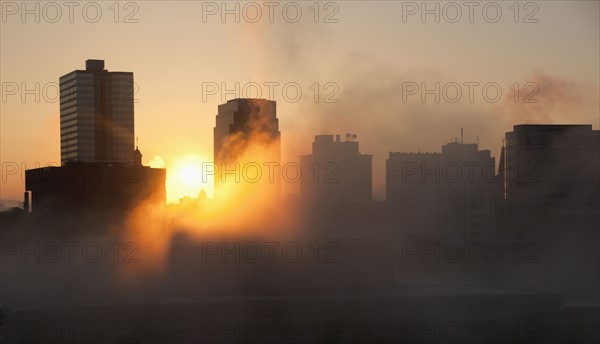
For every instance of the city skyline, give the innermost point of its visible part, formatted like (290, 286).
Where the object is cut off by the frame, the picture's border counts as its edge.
(311, 171)
(195, 167)
(170, 86)
(97, 115)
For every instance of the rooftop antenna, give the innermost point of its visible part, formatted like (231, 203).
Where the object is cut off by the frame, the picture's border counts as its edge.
(137, 141)
(461, 136)
(477, 140)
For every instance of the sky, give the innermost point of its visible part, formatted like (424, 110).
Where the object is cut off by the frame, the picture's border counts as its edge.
(356, 63)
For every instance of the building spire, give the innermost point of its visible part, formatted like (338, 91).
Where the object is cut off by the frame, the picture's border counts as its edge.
(137, 155)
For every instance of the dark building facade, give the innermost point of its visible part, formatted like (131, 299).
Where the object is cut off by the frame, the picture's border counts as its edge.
(247, 133)
(96, 115)
(336, 171)
(79, 187)
(551, 176)
(448, 194)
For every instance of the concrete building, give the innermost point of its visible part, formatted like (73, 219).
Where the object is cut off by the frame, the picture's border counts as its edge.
(447, 194)
(336, 171)
(96, 115)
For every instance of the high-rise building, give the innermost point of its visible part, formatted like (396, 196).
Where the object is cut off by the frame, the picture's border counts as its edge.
(336, 171)
(448, 194)
(96, 115)
(247, 134)
(552, 166)
(551, 178)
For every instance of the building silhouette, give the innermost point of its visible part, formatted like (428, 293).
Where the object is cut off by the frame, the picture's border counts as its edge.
(550, 177)
(96, 114)
(78, 187)
(447, 194)
(336, 171)
(100, 170)
(247, 133)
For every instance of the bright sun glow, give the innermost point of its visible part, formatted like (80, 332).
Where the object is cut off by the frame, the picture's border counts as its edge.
(184, 178)
(191, 176)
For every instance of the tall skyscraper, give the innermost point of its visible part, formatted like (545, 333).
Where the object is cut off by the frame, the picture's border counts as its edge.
(247, 133)
(96, 115)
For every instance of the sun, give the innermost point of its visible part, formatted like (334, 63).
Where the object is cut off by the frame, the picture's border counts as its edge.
(185, 178)
(191, 175)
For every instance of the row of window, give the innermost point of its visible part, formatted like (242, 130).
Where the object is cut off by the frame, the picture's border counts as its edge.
(68, 156)
(69, 143)
(81, 102)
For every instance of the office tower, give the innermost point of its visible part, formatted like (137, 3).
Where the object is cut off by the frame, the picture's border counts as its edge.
(551, 177)
(96, 115)
(247, 134)
(336, 171)
(448, 194)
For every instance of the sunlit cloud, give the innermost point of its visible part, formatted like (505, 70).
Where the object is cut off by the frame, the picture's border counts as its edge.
(156, 162)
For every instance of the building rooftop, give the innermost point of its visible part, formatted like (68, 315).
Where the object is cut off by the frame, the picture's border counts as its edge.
(552, 127)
